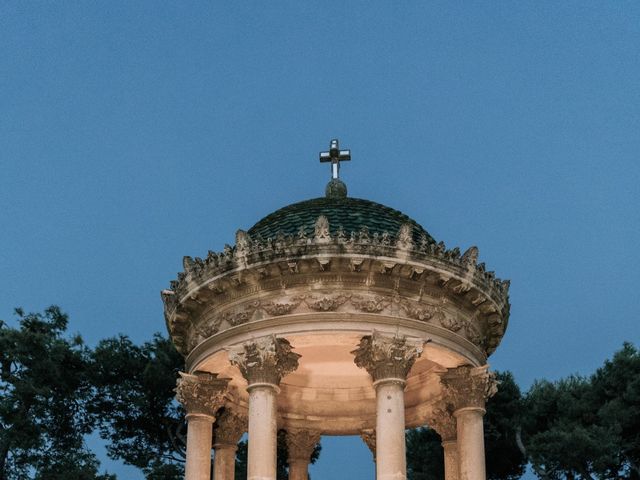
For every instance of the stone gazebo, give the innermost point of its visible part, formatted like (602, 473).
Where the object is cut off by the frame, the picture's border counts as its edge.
(335, 316)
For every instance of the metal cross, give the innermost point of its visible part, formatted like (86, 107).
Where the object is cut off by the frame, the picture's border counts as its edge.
(335, 156)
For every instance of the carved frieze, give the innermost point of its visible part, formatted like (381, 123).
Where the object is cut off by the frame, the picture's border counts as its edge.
(326, 303)
(468, 386)
(301, 443)
(201, 393)
(264, 360)
(375, 304)
(387, 357)
(229, 428)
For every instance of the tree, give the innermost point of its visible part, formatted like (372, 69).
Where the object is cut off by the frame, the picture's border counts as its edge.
(44, 394)
(140, 418)
(504, 459)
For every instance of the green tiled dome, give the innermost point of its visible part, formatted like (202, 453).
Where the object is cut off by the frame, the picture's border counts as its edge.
(352, 214)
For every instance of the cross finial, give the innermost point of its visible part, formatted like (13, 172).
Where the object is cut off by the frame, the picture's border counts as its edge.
(335, 156)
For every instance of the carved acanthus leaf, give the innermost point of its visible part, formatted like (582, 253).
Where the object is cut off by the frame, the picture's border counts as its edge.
(301, 443)
(327, 303)
(443, 422)
(370, 304)
(202, 393)
(387, 357)
(229, 428)
(276, 309)
(369, 438)
(322, 234)
(468, 386)
(264, 360)
(405, 237)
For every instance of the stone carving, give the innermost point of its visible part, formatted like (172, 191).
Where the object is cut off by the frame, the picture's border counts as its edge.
(451, 322)
(202, 393)
(443, 422)
(417, 311)
(277, 309)
(369, 438)
(387, 357)
(229, 428)
(300, 443)
(468, 386)
(264, 360)
(322, 230)
(370, 304)
(325, 303)
(405, 237)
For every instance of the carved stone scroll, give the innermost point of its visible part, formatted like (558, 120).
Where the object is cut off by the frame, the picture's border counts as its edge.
(264, 360)
(201, 393)
(468, 387)
(387, 357)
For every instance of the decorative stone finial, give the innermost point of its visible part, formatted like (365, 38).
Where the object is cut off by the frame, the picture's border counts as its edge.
(202, 393)
(387, 357)
(336, 188)
(300, 443)
(264, 360)
(468, 387)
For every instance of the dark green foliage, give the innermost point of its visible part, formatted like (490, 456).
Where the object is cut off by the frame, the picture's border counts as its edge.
(142, 422)
(44, 393)
(425, 459)
(505, 461)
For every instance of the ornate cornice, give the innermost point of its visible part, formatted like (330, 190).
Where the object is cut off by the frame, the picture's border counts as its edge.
(255, 263)
(386, 357)
(229, 428)
(264, 360)
(300, 443)
(202, 393)
(468, 387)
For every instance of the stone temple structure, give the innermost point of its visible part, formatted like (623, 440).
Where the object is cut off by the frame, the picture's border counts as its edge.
(334, 316)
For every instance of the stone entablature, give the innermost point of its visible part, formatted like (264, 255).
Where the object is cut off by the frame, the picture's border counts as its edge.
(337, 273)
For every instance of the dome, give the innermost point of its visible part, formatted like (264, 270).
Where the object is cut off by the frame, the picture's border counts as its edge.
(350, 214)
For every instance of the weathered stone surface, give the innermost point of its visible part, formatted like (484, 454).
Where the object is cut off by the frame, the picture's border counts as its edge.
(301, 442)
(264, 360)
(202, 393)
(468, 387)
(387, 357)
(229, 428)
(369, 438)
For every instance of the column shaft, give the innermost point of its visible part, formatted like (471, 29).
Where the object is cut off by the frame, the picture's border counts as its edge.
(263, 432)
(470, 443)
(451, 460)
(224, 462)
(199, 432)
(298, 469)
(391, 463)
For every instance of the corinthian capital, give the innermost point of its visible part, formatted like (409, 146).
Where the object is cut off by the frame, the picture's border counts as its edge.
(387, 357)
(443, 422)
(300, 443)
(229, 428)
(368, 436)
(468, 387)
(265, 360)
(201, 393)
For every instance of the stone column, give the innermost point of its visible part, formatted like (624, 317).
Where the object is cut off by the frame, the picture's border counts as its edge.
(263, 362)
(467, 389)
(388, 361)
(228, 430)
(369, 438)
(201, 394)
(300, 445)
(443, 422)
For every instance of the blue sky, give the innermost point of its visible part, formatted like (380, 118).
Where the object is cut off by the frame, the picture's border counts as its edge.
(133, 133)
